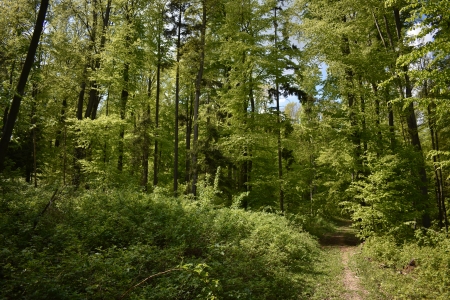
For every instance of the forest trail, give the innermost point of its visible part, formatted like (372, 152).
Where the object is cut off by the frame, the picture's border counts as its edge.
(344, 240)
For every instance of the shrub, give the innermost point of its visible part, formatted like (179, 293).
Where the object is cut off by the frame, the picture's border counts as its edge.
(413, 270)
(97, 244)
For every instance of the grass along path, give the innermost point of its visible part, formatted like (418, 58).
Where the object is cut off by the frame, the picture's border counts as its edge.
(342, 282)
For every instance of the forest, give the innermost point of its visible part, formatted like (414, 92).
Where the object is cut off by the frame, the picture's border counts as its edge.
(224, 149)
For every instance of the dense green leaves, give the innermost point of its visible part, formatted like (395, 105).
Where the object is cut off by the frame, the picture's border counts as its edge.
(99, 244)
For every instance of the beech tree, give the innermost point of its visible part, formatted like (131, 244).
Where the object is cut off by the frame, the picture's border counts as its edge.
(189, 89)
(20, 90)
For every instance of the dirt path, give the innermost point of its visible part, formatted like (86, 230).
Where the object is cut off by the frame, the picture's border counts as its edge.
(345, 240)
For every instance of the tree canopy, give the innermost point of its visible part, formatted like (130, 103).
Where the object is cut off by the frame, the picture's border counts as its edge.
(306, 109)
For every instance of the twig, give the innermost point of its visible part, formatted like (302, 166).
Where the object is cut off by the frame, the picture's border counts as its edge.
(149, 277)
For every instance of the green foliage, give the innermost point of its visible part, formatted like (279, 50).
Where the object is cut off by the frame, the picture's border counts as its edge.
(98, 244)
(387, 201)
(418, 270)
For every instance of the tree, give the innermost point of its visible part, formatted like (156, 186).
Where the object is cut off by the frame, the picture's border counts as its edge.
(198, 85)
(20, 90)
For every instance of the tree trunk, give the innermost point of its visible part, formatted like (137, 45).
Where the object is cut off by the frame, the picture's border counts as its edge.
(377, 119)
(61, 123)
(146, 139)
(177, 102)
(5, 112)
(124, 94)
(277, 98)
(189, 116)
(78, 150)
(439, 180)
(158, 85)
(198, 85)
(123, 104)
(15, 105)
(438, 184)
(94, 93)
(413, 129)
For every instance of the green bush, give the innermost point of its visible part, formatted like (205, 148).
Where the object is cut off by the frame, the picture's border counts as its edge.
(419, 270)
(97, 244)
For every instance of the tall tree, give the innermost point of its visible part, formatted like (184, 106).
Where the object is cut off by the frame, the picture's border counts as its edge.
(198, 86)
(178, 7)
(20, 90)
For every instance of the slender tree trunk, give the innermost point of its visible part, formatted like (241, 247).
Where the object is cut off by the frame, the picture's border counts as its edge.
(93, 62)
(146, 142)
(15, 105)
(379, 30)
(439, 180)
(250, 160)
(34, 157)
(363, 132)
(62, 119)
(78, 150)
(124, 94)
(438, 184)
(105, 144)
(61, 134)
(413, 129)
(123, 104)
(5, 117)
(177, 103)
(388, 31)
(189, 116)
(277, 98)
(158, 85)
(5, 112)
(389, 104)
(94, 93)
(280, 163)
(65, 155)
(351, 99)
(31, 165)
(377, 118)
(390, 122)
(198, 85)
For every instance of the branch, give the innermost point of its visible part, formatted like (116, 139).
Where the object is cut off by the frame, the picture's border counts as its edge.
(45, 208)
(379, 30)
(149, 277)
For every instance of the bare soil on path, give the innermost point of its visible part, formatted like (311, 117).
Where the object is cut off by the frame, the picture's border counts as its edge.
(345, 240)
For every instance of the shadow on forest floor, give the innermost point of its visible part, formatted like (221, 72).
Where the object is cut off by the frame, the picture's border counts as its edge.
(343, 236)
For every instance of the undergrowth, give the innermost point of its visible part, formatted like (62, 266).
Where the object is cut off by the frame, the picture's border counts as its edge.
(116, 244)
(412, 270)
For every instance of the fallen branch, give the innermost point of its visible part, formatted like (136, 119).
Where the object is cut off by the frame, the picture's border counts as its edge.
(45, 209)
(149, 277)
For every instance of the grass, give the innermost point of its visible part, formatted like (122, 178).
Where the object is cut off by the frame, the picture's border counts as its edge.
(328, 282)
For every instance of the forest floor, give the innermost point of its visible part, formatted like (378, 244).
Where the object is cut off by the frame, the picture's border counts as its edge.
(343, 282)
